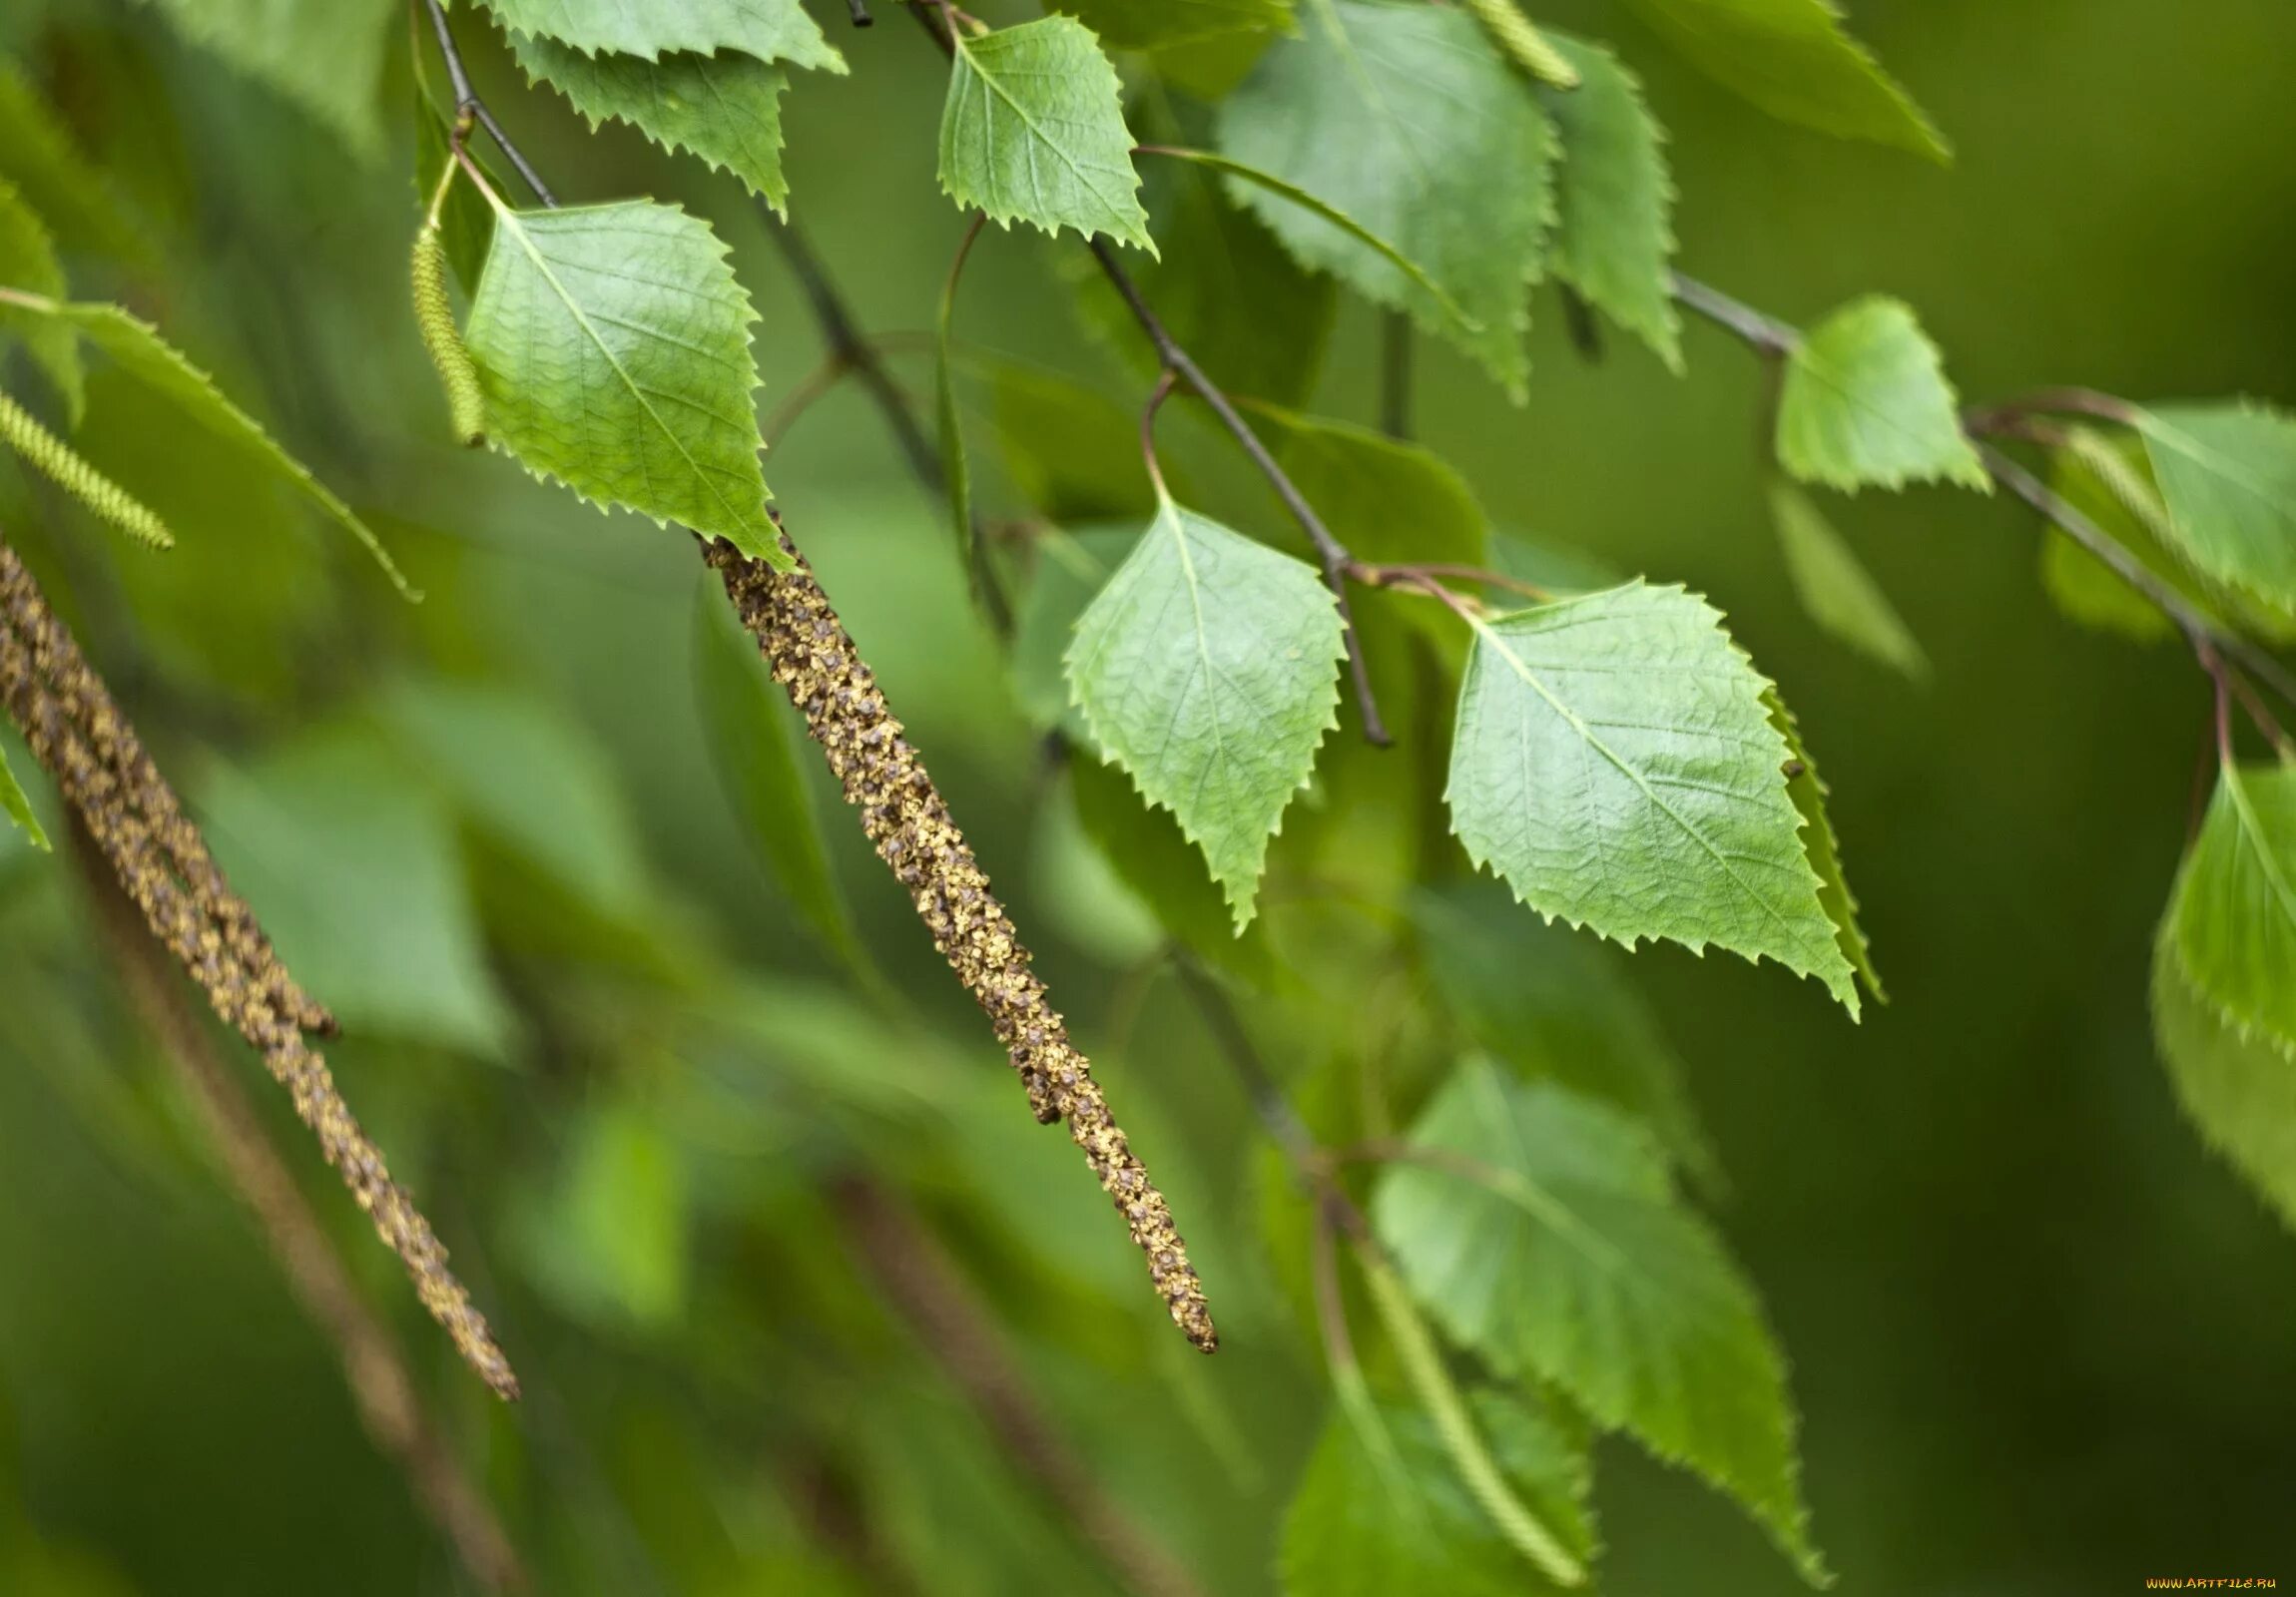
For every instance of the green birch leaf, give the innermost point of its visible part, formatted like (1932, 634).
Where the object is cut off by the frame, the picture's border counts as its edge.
(1034, 130)
(1234, 297)
(38, 154)
(770, 30)
(138, 350)
(324, 56)
(1130, 25)
(1837, 592)
(1575, 1264)
(2239, 1092)
(1809, 792)
(2086, 589)
(28, 261)
(1386, 499)
(1614, 199)
(2229, 474)
(1866, 402)
(1359, 1526)
(1071, 451)
(1615, 763)
(753, 746)
(1792, 58)
(19, 808)
(726, 109)
(1407, 120)
(1554, 1006)
(1208, 669)
(2233, 916)
(613, 344)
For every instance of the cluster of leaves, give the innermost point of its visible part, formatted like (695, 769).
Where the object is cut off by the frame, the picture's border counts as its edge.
(1609, 752)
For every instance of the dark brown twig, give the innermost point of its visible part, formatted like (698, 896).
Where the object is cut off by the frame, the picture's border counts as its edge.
(381, 1387)
(467, 104)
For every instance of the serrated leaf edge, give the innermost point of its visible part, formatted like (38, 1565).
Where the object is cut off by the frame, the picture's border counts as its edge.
(1967, 472)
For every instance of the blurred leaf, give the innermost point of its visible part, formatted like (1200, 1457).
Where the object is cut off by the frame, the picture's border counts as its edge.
(1073, 453)
(1809, 792)
(466, 222)
(28, 261)
(529, 778)
(771, 30)
(1613, 760)
(1354, 1530)
(324, 56)
(2088, 590)
(1552, 1004)
(1034, 130)
(1206, 667)
(2229, 474)
(1866, 402)
(1223, 287)
(1558, 568)
(1070, 569)
(2239, 1090)
(1792, 58)
(40, 155)
(948, 424)
(1386, 499)
(1837, 591)
(1128, 24)
(19, 808)
(752, 733)
(1571, 1261)
(1149, 852)
(353, 865)
(2233, 916)
(611, 1244)
(1406, 119)
(655, 416)
(726, 109)
(1614, 199)
(1081, 895)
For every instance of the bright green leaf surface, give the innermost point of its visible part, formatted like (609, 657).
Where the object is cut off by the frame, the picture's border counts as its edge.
(1836, 588)
(1131, 25)
(1207, 669)
(1407, 118)
(2234, 913)
(1614, 199)
(770, 30)
(726, 109)
(1554, 1006)
(327, 58)
(1809, 792)
(2241, 1092)
(28, 261)
(614, 344)
(752, 744)
(142, 353)
(1582, 1269)
(1866, 402)
(1793, 59)
(1034, 130)
(1354, 1530)
(1613, 762)
(19, 808)
(2229, 474)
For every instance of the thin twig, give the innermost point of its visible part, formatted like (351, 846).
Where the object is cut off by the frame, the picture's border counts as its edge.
(381, 1387)
(1164, 381)
(1766, 333)
(1330, 550)
(912, 1269)
(1413, 574)
(468, 104)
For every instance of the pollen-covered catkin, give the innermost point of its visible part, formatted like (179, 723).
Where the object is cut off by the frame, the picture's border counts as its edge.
(63, 465)
(136, 823)
(817, 664)
(1521, 39)
(434, 314)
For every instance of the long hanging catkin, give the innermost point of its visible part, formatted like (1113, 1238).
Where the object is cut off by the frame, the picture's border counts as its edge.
(79, 735)
(65, 466)
(817, 664)
(449, 355)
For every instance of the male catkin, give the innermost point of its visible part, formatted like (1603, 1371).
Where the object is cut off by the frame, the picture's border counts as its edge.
(137, 823)
(434, 314)
(63, 465)
(1521, 39)
(817, 664)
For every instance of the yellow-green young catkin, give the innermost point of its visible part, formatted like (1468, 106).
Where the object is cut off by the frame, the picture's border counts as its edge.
(457, 373)
(57, 460)
(1521, 39)
(901, 812)
(75, 730)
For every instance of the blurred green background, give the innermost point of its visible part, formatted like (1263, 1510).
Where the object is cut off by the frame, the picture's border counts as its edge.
(2040, 1340)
